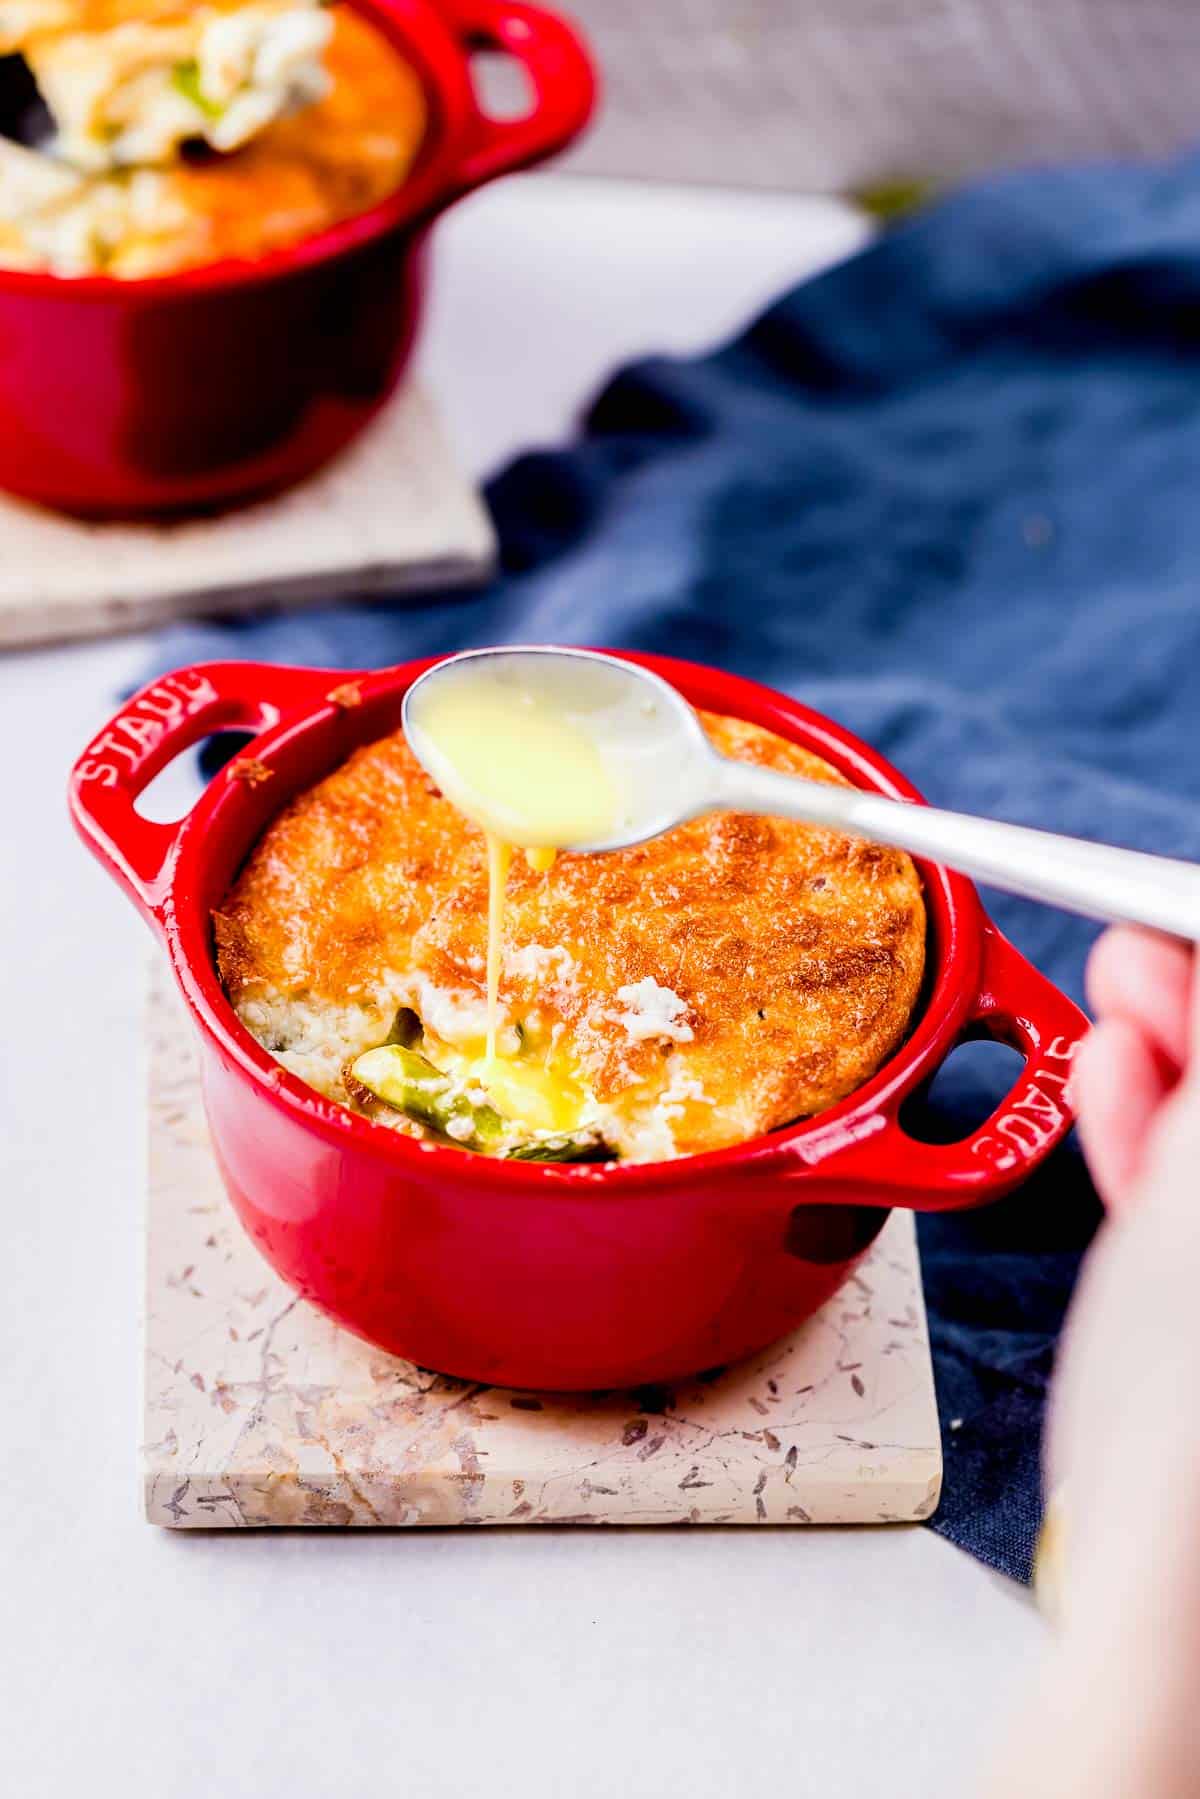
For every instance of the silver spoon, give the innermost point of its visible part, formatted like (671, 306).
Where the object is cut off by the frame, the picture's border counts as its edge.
(668, 771)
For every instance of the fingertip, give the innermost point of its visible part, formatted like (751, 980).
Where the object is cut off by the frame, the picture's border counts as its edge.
(1117, 1083)
(1115, 966)
(1145, 979)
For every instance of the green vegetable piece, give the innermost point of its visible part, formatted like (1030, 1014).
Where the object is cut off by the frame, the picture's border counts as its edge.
(407, 1080)
(185, 79)
(890, 201)
(578, 1146)
(406, 1028)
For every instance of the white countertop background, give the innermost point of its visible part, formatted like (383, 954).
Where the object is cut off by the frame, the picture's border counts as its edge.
(452, 1665)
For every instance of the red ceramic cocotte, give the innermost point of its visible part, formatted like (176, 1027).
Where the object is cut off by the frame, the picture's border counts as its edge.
(549, 1276)
(217, 383)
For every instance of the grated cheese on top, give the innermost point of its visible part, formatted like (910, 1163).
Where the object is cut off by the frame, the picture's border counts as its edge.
(651, 1011)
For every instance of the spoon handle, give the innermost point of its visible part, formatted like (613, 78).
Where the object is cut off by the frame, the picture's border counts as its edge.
(1095, 879)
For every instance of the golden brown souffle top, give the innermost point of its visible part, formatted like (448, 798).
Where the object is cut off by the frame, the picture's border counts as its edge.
(797, 952)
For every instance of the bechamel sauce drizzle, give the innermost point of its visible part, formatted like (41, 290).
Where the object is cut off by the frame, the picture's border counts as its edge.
(526, 769)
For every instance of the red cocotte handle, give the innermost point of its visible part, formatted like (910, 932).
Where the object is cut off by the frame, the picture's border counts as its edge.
(1017, 1005)
(165, 718)
(561, 74)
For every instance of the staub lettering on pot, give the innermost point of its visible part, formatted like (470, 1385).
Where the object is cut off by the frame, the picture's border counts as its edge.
(135, 732)
(1035, 1118)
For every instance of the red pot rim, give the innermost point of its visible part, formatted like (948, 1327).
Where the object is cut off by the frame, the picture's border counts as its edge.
(462, 147)
(958, 930)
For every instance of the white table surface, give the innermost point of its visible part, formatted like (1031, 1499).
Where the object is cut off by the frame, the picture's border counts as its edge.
(532, 1663)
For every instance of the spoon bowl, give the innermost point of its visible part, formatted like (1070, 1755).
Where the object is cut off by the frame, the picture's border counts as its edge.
(650, 742)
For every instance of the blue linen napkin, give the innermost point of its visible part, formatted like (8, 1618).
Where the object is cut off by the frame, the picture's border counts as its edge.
(948, 493)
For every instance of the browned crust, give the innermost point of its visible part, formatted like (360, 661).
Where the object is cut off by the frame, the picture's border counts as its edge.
(360, 1095)
(798, 952)
(250, 770)
(346, 696)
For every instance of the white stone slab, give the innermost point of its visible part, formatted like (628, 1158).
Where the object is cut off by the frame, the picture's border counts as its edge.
(260, 1411)
(393, 511)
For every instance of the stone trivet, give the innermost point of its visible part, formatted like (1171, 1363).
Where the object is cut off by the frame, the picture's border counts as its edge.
(393, 511)
(261, 1411)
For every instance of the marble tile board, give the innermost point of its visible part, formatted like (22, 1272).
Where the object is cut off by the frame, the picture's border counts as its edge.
(260, 1411)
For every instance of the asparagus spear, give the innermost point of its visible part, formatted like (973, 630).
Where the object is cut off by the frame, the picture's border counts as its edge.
(574, 1146)
(409, 1081)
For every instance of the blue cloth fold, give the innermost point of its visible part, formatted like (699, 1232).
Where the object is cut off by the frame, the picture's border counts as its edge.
(949, 493)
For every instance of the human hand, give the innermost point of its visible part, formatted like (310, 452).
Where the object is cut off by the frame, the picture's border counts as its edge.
(1116, 1715)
